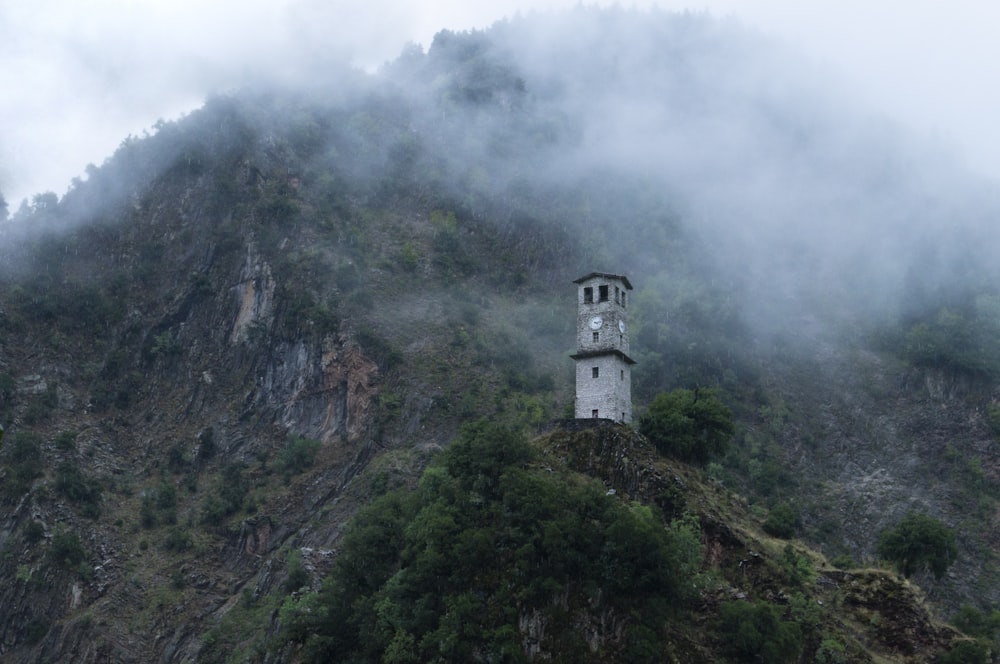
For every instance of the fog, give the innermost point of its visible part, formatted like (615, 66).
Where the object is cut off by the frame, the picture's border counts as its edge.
(801, 189)
(806, 200)
(80, 77)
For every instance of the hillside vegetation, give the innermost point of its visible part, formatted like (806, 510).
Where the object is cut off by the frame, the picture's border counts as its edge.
(278, 312)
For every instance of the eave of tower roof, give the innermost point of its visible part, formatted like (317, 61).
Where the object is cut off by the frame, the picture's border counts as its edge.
(596, 353)
(607, 275)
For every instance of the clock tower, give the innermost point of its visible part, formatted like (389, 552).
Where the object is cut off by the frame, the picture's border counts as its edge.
(603, 365)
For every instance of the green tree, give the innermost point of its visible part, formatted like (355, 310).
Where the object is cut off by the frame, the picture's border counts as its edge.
(962, 340)
(974, 622)
(966, 652)
(689, 425)
(918, 542)
(45, 202)
(432, 575)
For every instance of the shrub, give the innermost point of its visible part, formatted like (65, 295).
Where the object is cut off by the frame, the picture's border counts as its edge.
(33, 531)
(206, 444)
(147, 511)
(165, 344)
(25, 454)
(298, 576)
(843, 561)
(24, 462)
(178, 539)
(66, 550)
(298, 455)
(756, 632)
(213, 511)
(993, 418)
(41, 406)
(227, 497)
(166, 502)
(387, 355)
(798, 567)
(166, 496)
(66, 441)
(409, 257)
(831, 651)
(8, 386)
(159, 505)
(176, 461)
(77, 488)
(782, 521)
(35, 630)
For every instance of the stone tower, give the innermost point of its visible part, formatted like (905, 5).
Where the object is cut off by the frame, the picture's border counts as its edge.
(603, 365)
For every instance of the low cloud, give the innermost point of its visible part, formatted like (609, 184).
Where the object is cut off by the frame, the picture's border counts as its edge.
(80, 77)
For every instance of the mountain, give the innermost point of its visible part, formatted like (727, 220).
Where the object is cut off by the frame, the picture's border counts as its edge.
(245, 327)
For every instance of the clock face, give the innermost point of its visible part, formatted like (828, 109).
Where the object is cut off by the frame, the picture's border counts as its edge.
(596, 322)
(621, 326)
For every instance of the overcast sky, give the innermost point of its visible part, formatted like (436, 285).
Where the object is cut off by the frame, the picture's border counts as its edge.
(79, 77)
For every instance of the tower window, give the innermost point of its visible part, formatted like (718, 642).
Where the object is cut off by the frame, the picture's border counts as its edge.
(623, 374)
(603, 290)
(595, 372)
(623, 299)
(597, 337)
(616, 294)
(588, 295)
(593, 413)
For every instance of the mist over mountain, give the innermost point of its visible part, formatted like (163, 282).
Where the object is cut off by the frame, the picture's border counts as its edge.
(246, 325)
(759, 153)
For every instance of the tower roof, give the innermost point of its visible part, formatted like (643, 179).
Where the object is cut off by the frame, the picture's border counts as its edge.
(607, 275)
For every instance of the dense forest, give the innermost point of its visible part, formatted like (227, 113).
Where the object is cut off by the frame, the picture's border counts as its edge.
(281, 379)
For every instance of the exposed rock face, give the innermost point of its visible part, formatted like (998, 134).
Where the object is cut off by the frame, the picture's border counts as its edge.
(323, 391)
(254, 294)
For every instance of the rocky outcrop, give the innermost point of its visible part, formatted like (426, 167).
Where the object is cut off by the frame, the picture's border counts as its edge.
(254, 295)
(323, 391)
(900, 623)
(620, 457)
(881, 616)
